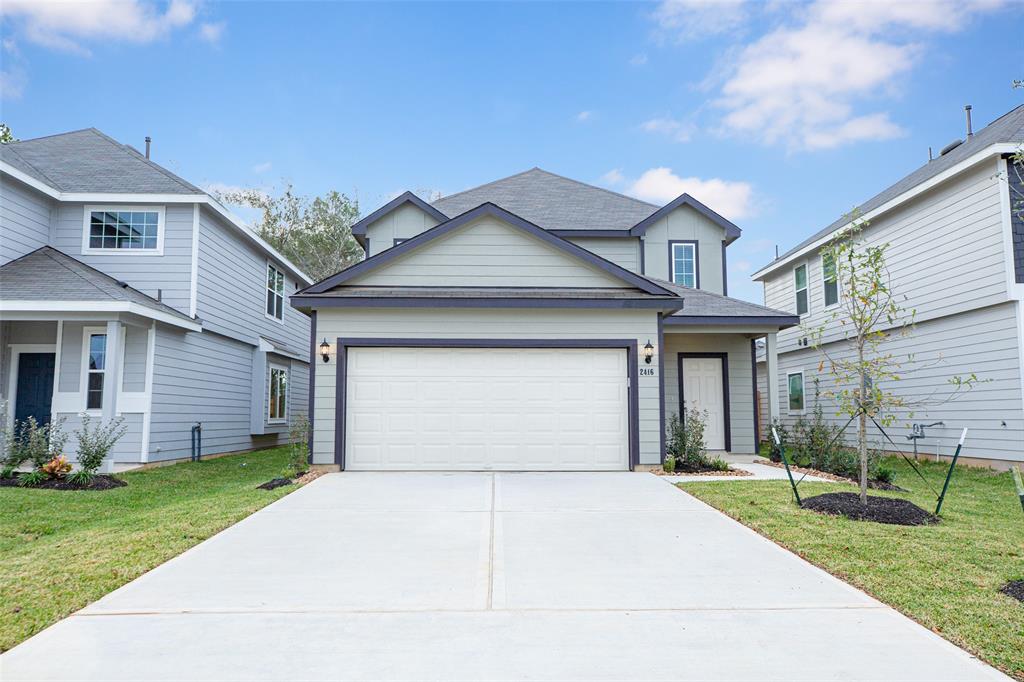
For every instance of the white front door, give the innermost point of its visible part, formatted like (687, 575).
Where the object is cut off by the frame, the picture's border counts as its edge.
(703, 390)
(518, 409)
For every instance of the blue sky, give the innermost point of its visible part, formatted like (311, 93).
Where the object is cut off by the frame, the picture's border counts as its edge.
(781, 116)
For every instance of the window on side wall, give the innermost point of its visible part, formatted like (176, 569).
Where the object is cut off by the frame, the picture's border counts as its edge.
(123, 230)
(277, 400)
(800, 284)
(684, 264)
(275, 293)
(795, 391)
(830, 280)
(95, 370)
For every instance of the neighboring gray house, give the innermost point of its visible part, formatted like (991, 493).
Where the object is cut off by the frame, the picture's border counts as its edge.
(127, 291)
(533, 323)
(956, 256)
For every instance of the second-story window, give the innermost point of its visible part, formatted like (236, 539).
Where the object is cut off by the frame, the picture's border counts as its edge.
(123, 230)
(684, 264)
(275, 292)
(830, 280)
(800, 284)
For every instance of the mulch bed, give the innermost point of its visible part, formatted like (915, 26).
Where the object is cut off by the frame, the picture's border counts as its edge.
(875, 485)
(1015, 589)
(879, 509)
(701, 472)
(100, 482)
(301, 479)
(274, 483)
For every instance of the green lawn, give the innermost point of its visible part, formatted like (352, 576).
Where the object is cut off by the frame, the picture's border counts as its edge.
(62, 550)
(945, 577)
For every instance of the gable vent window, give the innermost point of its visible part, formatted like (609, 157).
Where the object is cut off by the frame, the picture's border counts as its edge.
(123, 230)
(800, 282)
(684, 264)
(275, 293)
(830, 280)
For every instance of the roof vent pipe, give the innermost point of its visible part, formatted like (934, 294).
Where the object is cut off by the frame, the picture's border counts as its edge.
(970, 130)
(149, 141)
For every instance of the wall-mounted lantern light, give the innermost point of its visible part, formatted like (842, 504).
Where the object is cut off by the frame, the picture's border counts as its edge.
(325, 350)
(648, 352)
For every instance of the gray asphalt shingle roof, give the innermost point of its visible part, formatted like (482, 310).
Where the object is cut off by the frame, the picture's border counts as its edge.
(700, 303)
(552, 202)
(1008, 128)
(89, 161)
(47, 274)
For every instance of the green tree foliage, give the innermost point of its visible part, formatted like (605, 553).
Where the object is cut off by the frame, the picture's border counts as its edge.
(6, 135)
(313, 233)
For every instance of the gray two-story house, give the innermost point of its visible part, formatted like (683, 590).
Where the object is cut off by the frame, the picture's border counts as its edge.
(532, 323)
(126, 291)
(955, 257)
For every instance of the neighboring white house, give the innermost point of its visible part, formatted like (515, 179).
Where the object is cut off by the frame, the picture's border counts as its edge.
(956, 257)
(532, 323)
(127, 291)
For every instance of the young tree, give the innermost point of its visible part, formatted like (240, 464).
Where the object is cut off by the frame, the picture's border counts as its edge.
(6, 135)
(315, 234)
(868, 315)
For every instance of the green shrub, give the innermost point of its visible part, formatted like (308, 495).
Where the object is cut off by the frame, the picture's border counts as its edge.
(685, 444)
(298, 453)
(28, 441)
(884, 474)
(32, 478)
(81, 478)
(669, 465)
(718, 464)
(94, 444)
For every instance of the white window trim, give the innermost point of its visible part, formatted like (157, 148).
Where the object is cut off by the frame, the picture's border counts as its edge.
(284, 292)
(807, 288)
(161, 225)
(803, 392)
(287, 383)
(83, 388)
(823, 284)
(696, 265)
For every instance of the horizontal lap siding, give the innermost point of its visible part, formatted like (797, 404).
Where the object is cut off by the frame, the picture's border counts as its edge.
(488, 252)
(983, 342)
(24, 220)
(483, 324)
(741, 399)
(128, 447)
(232, 290)
(624, 252)
(169, 273)
(945, 256)
(206, 377)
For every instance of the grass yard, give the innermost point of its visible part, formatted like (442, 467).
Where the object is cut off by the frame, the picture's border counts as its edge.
(62, 550)
(945, 577)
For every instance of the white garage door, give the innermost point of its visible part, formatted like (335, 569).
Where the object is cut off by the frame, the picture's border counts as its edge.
(541, 409)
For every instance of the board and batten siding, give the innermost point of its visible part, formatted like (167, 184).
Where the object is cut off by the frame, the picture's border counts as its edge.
(232, 289)
(686, 224)
(484, 324)
(741, 398)
(623, 251)
(24, 219)
(945, 256)
(169, 274)
(402, 223)
(488, 252)
(983, 342)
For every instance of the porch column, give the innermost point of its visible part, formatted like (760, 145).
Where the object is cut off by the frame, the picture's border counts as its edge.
(771, 370)
(112, 370)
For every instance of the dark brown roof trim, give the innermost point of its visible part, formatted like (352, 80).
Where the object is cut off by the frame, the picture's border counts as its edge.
(732, 232)
(359, 229)
(314, 302)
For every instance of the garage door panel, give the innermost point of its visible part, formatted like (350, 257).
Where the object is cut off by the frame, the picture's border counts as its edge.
(483, 408)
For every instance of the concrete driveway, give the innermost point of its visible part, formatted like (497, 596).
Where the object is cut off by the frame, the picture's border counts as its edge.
(488, 576)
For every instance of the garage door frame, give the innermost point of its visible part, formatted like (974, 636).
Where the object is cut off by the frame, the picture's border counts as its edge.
(344, 344)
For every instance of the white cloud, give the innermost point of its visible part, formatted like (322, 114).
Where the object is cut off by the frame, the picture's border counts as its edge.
(584, 116)
(212, 32)
(686, 20)
(680, 131)
(638, 59)
(66, 25)
(12, 76)
(803, 84)
(262, 167)
(732, 199)
(613, 177)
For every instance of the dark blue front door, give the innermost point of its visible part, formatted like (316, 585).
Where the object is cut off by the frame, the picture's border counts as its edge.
(35, 387)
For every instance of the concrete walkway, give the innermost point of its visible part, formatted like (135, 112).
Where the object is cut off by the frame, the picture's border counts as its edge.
(488, 576)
